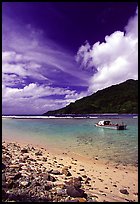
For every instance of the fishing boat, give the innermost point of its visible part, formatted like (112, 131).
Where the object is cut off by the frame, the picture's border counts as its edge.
(109, 124)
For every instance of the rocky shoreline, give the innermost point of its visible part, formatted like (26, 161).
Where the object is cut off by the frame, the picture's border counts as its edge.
(31, 174)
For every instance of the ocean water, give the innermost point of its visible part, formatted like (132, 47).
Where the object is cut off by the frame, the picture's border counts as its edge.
(79, 135)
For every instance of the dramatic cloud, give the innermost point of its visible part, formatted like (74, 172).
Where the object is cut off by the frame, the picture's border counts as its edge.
(33, 68)
(36, 98)
(114, 60)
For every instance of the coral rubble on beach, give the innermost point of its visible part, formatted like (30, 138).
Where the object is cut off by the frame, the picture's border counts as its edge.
(30, 174)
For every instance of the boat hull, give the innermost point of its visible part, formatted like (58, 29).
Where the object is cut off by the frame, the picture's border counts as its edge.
(115, 127)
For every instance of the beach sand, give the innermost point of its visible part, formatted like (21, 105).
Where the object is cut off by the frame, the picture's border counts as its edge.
(101, 181)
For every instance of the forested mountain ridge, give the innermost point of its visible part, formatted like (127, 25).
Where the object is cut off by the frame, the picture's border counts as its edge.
(120, 98)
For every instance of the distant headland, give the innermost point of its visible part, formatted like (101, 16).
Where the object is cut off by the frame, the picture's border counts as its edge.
(120, 98)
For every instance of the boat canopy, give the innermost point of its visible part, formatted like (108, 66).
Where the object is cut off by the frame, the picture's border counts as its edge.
(104, 122)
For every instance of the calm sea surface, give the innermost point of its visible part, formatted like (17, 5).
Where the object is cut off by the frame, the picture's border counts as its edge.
(80, 136)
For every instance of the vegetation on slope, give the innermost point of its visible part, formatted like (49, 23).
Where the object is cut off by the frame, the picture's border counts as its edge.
(120, 98)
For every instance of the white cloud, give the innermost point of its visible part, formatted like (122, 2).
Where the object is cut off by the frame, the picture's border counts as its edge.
(116, 59)
(32, 97)
(19, 69)
(11, 56)
(14, 63)
(14, 69)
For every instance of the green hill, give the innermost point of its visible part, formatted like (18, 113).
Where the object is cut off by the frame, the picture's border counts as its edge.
(120, 98)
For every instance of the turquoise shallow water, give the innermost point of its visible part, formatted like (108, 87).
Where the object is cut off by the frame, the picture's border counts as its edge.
(80, 136)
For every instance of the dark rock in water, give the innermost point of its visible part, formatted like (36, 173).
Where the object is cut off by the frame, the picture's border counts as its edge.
(75, 192)
(24, 150)
(81, 169)
(67, 173)
(38, 153)
(124, 191)
(84, 176)
(87, 180)
(44, 159)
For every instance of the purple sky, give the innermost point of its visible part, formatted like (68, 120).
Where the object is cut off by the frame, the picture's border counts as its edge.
(54, 53)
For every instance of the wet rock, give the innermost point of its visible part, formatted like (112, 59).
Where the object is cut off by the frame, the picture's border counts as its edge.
(50, 170)
(11, 184)
(6, 158)
(76, 182)
(24, 150)
(87, 180)
(74, 200)
(3, 180)
(62, 192)
(84, 176)
(136, 193)
(65, 169)
(124, 191)
(48, 187)
(25, 157)
(75, 192)
(67, 173)
(81, 169)
(80, 178)
(17, 176)
(3, 166)
(44, 159)
(56, 172)
(51, 178)
(48, 177)
(38, 153)
(36, 183)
